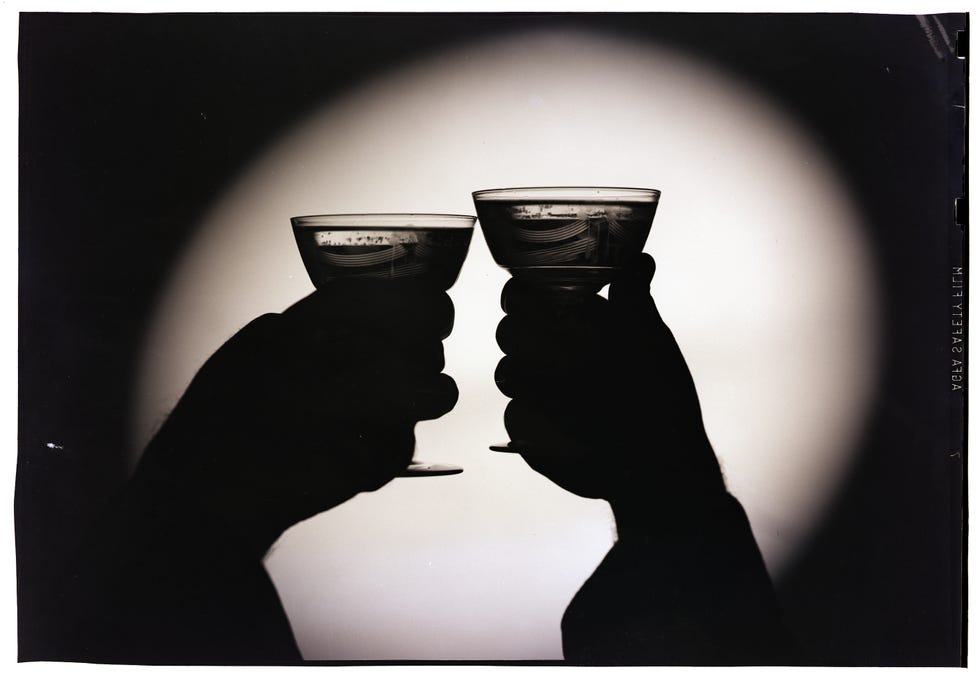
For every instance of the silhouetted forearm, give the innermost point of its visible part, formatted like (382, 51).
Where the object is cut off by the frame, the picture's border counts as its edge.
(685, 587)
(162, 581)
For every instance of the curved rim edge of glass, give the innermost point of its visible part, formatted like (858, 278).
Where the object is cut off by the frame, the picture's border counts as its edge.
(386, 220)
(599, 194)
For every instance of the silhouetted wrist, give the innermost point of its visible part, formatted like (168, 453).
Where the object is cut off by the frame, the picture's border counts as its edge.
(679, 515)
(170, 488)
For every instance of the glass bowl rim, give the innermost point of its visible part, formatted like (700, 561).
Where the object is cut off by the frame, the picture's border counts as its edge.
(589, 194)
(386, 220)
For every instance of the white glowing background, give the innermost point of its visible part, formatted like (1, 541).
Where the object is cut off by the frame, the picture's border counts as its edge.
(762, 273)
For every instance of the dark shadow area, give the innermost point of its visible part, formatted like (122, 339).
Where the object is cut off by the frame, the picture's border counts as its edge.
(131, 126)
(301, 411)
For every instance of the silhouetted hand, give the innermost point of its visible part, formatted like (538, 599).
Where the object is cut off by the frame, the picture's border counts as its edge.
(295, 414)
(300, 411)
(602, 402)
(604, 405)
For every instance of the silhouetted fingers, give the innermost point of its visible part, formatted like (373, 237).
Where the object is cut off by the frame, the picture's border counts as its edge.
(629, 293)
(576, 335)
(383, 451)
(560, 381)
(429, 399)
(352, 458)
(392, 396)
(408, 308)
(521, 297)
(552, 448)
(362, 354)
(332, 360)
(518, 296)
(548, 421)
(634, 280)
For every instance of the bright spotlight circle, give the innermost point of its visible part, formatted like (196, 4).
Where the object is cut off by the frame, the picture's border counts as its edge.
(762, 272)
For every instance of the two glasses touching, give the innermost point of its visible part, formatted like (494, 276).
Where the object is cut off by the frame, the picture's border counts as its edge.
(571, 241)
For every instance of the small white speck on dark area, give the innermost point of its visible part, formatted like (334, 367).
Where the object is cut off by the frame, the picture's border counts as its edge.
(53, 445)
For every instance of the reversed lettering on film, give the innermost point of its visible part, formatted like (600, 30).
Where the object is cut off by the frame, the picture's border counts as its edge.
(958, 331)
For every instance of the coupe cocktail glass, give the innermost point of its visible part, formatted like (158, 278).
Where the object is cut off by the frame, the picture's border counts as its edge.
(390, 246)
(573, 240)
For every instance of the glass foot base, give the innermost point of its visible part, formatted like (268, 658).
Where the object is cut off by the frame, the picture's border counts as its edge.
(425, 469)
(512, 447)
